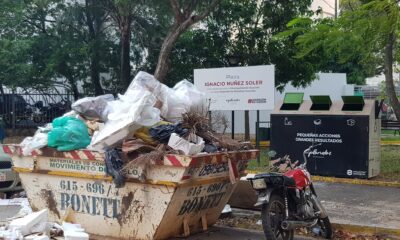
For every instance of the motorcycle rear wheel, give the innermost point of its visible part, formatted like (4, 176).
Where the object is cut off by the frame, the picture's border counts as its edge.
(273, 213)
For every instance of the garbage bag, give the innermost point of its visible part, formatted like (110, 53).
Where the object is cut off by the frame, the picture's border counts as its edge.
(114, 164)
(189, 94)
(144, 133)
(162, 133)
(93, 107)
(170, 105)
(38, 140)
(130, 112)
(68, 133)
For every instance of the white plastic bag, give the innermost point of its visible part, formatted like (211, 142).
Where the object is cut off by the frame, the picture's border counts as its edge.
(189, 94)
(93, 107)
(38, 140)
(130, 112)
(175, 102)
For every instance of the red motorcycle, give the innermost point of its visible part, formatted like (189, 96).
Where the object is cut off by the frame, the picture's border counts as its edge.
(289, 201)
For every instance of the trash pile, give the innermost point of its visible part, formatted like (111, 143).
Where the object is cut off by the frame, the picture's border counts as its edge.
(139, 126)
(35, 226)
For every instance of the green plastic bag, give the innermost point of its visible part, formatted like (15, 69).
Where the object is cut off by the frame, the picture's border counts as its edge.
(68, 133)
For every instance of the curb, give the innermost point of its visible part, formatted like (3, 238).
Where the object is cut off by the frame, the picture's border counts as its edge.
(348, 181)
(265, 144)
(356, 181)
(390, 142)
(336, 226)
(366, 229)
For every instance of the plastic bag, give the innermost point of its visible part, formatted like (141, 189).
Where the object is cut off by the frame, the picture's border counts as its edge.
(93, 107)
(68, 133)
(188, 94)
(171, 108)
(38, 140)
(130, 112)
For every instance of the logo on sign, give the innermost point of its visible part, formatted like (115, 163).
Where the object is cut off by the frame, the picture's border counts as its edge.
(287, 122)
(317, 122)
(257, 100)
(316, 153)
(351, 122)
(349, 172)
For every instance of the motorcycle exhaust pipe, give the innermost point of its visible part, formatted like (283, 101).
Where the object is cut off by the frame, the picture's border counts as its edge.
(291, 225)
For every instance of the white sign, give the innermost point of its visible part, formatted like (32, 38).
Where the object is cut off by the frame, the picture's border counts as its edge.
(238, 88)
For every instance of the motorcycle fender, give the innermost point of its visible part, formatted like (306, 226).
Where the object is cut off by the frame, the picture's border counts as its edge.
(263, 197)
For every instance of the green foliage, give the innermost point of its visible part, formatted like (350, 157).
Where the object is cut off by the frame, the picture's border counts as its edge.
(244, 30)
(335, 48)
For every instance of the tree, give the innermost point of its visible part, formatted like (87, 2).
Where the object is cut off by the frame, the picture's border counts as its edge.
(185, 17)
(243, 31)
(122, 13)
(367, 33)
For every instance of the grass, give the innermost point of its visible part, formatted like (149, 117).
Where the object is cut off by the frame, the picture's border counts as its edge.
(390, 163)
(388, 135)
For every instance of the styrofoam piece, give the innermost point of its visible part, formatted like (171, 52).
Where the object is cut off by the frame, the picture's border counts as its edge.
(178, 143)
(72, 227)
(227, 209)
(72, 235)
(23, 202)
(26, 223)
(11, 234)
(37, 237)
(248, 176)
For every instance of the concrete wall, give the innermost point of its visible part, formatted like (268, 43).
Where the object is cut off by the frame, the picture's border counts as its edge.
(332, 84)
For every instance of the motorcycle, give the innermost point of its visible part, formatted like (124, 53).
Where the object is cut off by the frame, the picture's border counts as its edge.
(289, 201)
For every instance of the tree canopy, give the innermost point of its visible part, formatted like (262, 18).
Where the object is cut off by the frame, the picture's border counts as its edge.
(363, 41)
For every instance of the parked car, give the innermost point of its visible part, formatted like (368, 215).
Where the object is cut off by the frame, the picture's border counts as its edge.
(6, 107)
(9, 180)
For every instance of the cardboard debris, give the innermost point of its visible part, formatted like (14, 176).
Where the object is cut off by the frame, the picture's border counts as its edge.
(185, 146)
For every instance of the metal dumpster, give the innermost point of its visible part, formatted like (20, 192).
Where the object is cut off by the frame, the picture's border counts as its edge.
(180, 196)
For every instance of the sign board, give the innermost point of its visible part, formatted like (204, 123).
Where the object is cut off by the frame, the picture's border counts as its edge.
(344, 142)
(238, 88)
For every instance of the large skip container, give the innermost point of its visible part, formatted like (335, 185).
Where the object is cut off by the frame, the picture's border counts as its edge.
(180, 196)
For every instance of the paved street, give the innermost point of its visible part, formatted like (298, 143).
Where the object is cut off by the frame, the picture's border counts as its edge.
(360, 204)
(218, 233)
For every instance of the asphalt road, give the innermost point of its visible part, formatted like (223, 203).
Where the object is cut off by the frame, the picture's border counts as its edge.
(218, 233)
(364, 205)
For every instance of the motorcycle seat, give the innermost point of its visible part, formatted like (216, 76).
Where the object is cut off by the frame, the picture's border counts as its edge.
(276, 179)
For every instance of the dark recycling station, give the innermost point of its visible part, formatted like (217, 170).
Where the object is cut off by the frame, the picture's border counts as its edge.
(348, 132)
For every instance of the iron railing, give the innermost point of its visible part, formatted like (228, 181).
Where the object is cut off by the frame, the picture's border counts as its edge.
(27, 108)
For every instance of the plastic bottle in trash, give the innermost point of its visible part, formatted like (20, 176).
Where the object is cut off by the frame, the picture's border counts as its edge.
(316, 230)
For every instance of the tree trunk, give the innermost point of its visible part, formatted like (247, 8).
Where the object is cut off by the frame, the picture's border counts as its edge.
(246, 126)
(390, 87)
(163, 63)
(92, 20)
(74, 88)
(95, 74)
(125, 41)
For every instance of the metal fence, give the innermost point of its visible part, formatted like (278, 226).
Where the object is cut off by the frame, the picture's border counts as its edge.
(27, 108)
